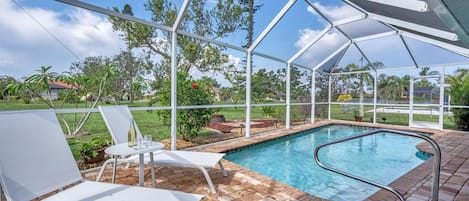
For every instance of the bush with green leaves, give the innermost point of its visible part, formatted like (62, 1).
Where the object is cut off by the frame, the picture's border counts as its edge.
(91, 148)
(460, 96)
(189, 92)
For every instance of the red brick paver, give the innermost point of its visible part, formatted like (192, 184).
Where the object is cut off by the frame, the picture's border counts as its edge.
(243, 184)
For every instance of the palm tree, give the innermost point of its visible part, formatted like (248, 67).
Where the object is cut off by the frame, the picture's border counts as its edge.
(359, 80)
(38, 83)
(425, 71)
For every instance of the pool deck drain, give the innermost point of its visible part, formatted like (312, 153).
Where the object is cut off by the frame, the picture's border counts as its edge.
(243, 184)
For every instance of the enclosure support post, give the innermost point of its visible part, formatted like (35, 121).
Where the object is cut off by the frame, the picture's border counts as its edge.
(329, 98)
(411, 98)
(174, 73)
(313, 96)
(442, 98)
(288, 99)
(247, 130)
(375, 96)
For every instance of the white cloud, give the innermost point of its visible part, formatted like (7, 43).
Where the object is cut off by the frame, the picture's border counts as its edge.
(306, 35)
(25, 46)
(335, 12)
(321, 49)
(330, 41)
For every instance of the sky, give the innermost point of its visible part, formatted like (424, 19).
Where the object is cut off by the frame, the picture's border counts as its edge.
(48, 33)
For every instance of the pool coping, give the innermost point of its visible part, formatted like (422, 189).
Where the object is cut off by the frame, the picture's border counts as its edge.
(404, 183)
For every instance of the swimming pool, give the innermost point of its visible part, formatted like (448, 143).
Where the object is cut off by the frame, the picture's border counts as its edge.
(381, 158)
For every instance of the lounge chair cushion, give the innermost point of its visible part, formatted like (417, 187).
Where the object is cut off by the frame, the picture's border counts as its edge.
(89, 190)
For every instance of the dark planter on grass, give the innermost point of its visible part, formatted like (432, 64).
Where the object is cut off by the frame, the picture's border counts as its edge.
(98, 158)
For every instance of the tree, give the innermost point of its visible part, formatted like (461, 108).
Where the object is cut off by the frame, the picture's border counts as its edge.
(425, 71)
(4, 82)
(129, 69)
(37, 84)
(460, 96)
(250, 8)
(359, 80)
(389, 86)
(225, 17)
(297, 88)
(189, 92)
(266, 85)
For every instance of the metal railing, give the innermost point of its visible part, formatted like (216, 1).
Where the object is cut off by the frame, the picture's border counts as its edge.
(436, 160)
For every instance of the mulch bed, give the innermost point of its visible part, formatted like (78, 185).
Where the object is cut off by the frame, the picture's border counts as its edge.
(227, 126)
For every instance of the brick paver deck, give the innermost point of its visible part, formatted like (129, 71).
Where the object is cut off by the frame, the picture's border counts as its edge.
(243, 184)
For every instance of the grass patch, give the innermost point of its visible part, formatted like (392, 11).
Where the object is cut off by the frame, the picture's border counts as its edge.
(150, 124)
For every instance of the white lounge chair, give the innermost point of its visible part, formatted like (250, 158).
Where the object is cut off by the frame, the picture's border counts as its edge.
(35, 160)
(117, 119)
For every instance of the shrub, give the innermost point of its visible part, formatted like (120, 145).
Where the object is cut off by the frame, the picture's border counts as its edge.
(69, 96)
(91, 149)
(460, 96)
(189, 92)
(267, 111)
(344, 97)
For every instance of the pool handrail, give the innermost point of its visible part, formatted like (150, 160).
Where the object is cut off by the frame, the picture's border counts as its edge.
(436, 160)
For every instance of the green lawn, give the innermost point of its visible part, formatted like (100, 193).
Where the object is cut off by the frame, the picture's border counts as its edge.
(337, 112)
(150, 124)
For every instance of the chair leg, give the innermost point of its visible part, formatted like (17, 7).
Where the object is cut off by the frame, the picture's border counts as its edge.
(152, 166)
(209, 180)
(114, 169)
(1, 193)
(222, 169)
(103, 168)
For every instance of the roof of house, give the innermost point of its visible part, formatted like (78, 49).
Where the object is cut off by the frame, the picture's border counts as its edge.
(423, 89)
(61, 85)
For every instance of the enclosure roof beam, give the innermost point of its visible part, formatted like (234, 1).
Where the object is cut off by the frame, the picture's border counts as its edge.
(310, 44)
(401, 23)
(325, 30)
(318, 11)
(340, 58)
(404, 68)
(441, 10)
(364, 56)
(105, 11)
(195, 36)
(180, 16)
(417, 27)
(409, 51)
(272, 24)
(345, 45)
(349, 20)
(415, 5)
(340, 30)
(453, 48)
(269, 57)
(145, 22)
(374, 36)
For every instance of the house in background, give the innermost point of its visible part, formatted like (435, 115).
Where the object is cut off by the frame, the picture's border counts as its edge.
(56, 87)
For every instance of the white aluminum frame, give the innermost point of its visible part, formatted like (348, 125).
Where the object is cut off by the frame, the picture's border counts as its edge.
(415, 5)
(174, 73)
(250, 52)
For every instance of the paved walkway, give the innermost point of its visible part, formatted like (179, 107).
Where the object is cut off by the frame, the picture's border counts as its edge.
(454, 179)
(243, 184)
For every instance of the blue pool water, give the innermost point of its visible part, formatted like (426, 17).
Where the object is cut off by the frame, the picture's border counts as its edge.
(381, 158)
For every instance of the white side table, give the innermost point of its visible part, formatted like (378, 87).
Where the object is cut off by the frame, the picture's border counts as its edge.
(123, 150)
